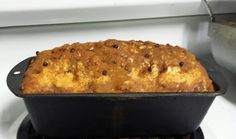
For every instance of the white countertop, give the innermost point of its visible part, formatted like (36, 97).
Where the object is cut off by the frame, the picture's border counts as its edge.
(19, 43)
(34, 12)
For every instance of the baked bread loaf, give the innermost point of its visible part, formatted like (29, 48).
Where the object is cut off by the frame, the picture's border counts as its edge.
(115, 66)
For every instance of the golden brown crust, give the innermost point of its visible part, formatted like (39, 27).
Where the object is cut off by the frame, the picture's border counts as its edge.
(116, 66)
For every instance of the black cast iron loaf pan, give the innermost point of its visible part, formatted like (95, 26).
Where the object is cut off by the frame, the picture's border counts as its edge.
(115, 115)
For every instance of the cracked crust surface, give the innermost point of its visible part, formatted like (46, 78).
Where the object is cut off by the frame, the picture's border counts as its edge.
(115, 66)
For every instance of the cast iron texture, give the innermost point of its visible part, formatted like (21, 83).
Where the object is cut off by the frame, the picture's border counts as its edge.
(115, 115)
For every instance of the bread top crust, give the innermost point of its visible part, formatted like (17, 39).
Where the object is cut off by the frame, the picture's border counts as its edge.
(115, 66)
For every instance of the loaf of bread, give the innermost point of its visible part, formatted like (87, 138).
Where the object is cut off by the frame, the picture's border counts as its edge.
(115, 66)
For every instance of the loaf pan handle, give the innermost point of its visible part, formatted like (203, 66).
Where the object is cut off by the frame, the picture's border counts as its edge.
(16, 75)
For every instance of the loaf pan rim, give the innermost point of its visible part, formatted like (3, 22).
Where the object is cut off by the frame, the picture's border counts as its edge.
(12, 81)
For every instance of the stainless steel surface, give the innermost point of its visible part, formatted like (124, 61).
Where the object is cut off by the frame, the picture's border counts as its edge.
(209, 10)
(222, 31)
(223, 40)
